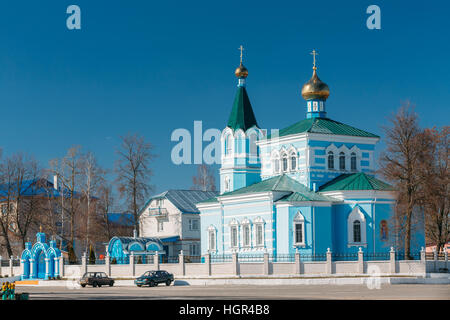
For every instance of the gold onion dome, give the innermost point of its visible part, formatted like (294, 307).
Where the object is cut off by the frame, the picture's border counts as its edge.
(315, 88)
(241, 71)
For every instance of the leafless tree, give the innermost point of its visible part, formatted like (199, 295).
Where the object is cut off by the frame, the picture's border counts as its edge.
(92, 179)
(69, 172)
(434, 191)
(133, 173)
(105, 205)
(400, 163)
(204, 180)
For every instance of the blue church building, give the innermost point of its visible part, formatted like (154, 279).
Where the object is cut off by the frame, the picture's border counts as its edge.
(309, 187)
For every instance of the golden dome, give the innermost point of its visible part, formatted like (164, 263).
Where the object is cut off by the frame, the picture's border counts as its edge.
(241, 71)
(315, 88)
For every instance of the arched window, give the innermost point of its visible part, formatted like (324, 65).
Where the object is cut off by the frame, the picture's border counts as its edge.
(299, 229)
(253, 138)
(284, 163)
(234, 236)
(211, 238)
(330, 160)
(356, 228)
(276, 164)
(356, 231)
(353, 161)
(293, 162)
(259, 231)
(341, 161)
(245, 233)
(228, 146)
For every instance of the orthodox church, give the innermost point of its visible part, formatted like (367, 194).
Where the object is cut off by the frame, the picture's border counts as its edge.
(306, 188)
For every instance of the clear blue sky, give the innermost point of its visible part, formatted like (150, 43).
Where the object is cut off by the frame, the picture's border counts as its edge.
(154, 66)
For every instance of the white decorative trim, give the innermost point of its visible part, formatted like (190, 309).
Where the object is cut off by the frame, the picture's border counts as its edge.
(356, 215)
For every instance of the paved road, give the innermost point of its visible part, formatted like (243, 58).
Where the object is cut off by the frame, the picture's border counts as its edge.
(354, 292)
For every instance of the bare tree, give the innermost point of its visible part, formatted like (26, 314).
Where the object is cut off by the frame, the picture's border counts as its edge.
(204, 180)
(93, 177)
(400, 163)
(105, 205)
(434, 191)
(133, 173)
(69, 171)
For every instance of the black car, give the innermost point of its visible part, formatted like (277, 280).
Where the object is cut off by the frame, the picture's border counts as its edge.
(152, 278)
(96, 279)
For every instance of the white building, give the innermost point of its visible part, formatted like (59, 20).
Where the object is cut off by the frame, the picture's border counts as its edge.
(173, 218)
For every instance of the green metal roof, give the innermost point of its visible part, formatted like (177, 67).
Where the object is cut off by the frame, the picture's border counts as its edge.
(324, 126)
(242, 116)
(282, 183)
(355, 181)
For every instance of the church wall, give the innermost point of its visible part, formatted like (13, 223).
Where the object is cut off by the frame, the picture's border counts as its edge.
(211, 217)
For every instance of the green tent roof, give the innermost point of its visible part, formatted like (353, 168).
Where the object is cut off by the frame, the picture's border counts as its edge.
(324, 126)
(355, 181)
(282, 183)
(242, 116)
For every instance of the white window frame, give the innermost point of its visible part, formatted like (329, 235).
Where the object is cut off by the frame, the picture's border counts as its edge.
(192, 224)
(259, 223)
(309, 106)
(299, 219)
(356, 214)
(160, 225)
(212, 231)
(315, 106)
(246, 225)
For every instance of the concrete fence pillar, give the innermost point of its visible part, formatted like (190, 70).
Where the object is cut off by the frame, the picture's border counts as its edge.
(83, 264)
(446, 257)
(297, 263)
(329, 263)
(61, 266)
(435, 260)
(392, 262)
(181, 263)
(266, 264)
(207, 258)
(156, 260)
(11, 266)
(235, 262)
(360, 261)
(131, 264)
(108, 264)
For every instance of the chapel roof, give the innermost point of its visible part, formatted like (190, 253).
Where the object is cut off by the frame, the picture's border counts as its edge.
(324, 126)
(242, 116)
(355, 181)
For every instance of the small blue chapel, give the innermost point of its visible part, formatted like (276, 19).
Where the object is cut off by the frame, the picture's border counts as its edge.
(309, 187)
(41, 260)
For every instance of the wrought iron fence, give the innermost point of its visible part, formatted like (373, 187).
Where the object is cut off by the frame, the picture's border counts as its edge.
(376, 256)
(68, 262)
(313, 257)
(344, 256)
(192, 259)
(282, 258)
(16, 262)
(169, 259)
(122, 260)
(243, 258)
(401, 255)
(221, 258)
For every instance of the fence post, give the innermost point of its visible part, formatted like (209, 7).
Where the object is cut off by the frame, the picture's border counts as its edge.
(208, 262)
(266, 263)
(446, 257)
(181, 263)
(329, 263)
(435, 257)
(235, 262)
(83, 263)
(360, 261)
(11, 270)
(392, 263)
(131, 262)
(297, 262)
(156, 260)
(108, 264)
(61, 266)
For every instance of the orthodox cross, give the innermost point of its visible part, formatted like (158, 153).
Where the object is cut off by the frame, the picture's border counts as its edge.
(242, 49)
(314, 54)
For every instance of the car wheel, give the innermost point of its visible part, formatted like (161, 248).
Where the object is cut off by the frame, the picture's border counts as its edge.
(168, 282)
(83, 285)
(139, 285)
(152, 284)
(111, 284)
(94, 284)
(99, 285)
